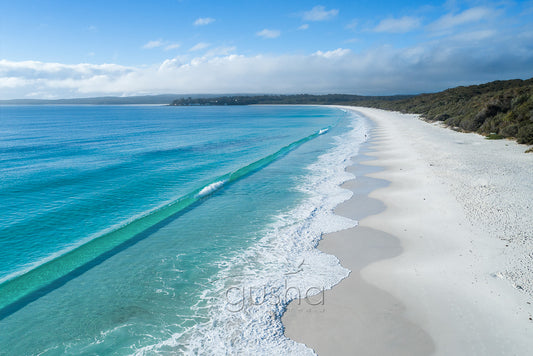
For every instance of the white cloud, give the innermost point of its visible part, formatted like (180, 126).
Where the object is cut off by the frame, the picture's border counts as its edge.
(36, 69)
(202, 21)
(199, 46)
(339, 52)
(172, 46)
(266, 33)
(153, 44)
(54, 79)
(303, 27)
(13, 82)
(472, 15)
(319, 13)
(160, 43)
(401, 25)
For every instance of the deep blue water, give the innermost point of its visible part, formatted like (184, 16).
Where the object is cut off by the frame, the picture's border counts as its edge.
(165, 202)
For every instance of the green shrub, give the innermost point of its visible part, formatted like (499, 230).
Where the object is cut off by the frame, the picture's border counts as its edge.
(442, 117)
(473, 123)
(494, 136)
(510, 117)
(525, 134)
(510, 130)
(519, 100)
(453, 121)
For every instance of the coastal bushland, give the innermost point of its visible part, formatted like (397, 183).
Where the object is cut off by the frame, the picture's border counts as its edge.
(499, 109)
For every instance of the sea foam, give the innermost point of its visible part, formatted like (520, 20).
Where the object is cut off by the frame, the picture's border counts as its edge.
(210, 188)
(247, 298)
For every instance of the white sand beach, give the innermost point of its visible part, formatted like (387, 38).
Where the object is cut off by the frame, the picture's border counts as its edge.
(441, 260)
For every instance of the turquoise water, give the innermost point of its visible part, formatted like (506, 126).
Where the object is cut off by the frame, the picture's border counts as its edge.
(134, 229)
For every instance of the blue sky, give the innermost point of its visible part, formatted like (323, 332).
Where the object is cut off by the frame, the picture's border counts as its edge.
(52, 49)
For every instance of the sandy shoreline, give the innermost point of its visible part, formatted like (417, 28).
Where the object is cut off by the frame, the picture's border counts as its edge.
(436, 253)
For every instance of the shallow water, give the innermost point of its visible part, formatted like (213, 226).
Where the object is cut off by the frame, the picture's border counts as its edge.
(72, 174)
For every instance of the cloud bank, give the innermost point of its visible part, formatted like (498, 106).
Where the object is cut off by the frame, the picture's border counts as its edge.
(473, 58)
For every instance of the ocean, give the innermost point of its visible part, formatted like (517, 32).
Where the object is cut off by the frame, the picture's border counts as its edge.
(156, 230)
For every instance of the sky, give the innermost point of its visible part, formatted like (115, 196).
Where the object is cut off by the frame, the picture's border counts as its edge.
(71, 48)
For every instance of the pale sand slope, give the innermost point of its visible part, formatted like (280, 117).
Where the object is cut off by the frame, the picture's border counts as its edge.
(460, 206)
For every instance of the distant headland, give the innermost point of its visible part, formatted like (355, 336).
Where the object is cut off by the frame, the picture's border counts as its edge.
(499, 109)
